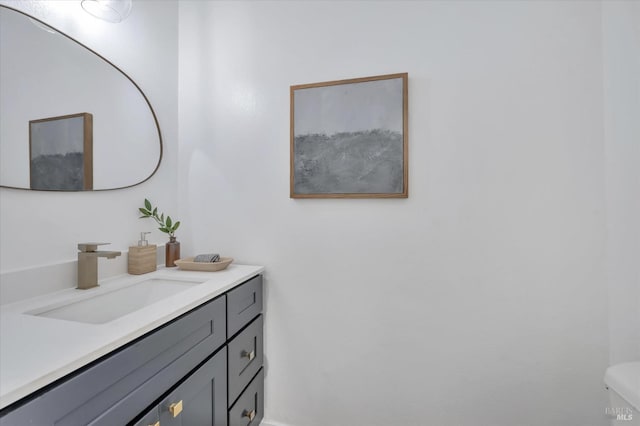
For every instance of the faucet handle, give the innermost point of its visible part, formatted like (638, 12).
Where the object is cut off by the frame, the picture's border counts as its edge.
(88, 247)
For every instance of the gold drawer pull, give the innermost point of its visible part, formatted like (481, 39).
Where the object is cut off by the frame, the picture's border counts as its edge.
(249, 414)
(251, 355)
(156, 423)
(175, 408)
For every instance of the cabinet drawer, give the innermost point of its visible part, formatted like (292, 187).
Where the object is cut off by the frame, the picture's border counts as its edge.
(249, 408)
(243, 304)
(200, 399)
(151, 418)
(245, 358)
(112, 390)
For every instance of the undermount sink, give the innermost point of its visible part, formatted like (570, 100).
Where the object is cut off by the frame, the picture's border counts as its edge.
(110, 305)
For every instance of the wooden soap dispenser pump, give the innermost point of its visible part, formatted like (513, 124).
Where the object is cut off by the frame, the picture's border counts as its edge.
(143, 257)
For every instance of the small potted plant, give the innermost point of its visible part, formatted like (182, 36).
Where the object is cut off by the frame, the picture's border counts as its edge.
(168, 226)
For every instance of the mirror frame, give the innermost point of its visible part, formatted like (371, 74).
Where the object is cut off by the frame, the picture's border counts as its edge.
(108, 62)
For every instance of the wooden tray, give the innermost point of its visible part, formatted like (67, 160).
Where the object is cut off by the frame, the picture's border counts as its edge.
(189, 265)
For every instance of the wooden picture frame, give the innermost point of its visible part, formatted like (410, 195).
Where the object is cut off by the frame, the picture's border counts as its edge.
(61, 153)
(349, 138)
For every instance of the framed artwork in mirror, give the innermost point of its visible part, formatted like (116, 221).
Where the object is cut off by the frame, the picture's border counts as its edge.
(61, 153)
(349, 138)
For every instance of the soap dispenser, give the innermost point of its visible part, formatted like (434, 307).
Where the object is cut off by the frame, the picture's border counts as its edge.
(143, 257)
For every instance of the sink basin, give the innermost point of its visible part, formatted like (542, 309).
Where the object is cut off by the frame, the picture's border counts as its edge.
(107, 306)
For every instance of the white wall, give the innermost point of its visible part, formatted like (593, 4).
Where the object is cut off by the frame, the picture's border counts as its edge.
(40, 228)
(480, 299)
(621, 37)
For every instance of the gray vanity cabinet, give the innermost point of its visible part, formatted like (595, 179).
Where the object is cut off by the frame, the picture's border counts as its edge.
(245, 354)
(243, 304)
(245, 358)
(199, 400)
(248, 410)
(116, 388)
(174, 375)
(151, 418)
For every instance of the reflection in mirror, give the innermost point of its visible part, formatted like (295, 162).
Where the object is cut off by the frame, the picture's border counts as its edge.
(61, 153)
(45, 75)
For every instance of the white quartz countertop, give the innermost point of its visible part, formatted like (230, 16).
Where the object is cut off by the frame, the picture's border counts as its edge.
(36, 350)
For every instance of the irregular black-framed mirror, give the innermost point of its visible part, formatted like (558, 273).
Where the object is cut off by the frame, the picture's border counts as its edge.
(45, 73)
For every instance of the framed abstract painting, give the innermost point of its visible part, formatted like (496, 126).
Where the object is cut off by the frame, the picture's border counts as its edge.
(61, 153)
(349, 138)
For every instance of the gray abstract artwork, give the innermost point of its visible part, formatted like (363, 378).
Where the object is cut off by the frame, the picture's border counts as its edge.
(57, 148)
(348, 138)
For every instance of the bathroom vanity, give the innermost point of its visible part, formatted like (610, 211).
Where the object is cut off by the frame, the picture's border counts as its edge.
(192, 358)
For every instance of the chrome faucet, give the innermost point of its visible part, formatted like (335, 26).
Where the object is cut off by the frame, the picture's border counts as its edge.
(88, 263)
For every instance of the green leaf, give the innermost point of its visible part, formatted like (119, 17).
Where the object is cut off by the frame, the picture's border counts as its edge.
(166, 224)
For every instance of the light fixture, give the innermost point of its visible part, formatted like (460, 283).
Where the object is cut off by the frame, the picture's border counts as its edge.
(108, 10)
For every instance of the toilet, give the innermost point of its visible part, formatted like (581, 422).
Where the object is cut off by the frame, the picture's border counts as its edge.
(623, 382)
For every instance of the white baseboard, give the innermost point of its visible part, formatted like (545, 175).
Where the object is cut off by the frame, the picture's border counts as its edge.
(268, 422)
